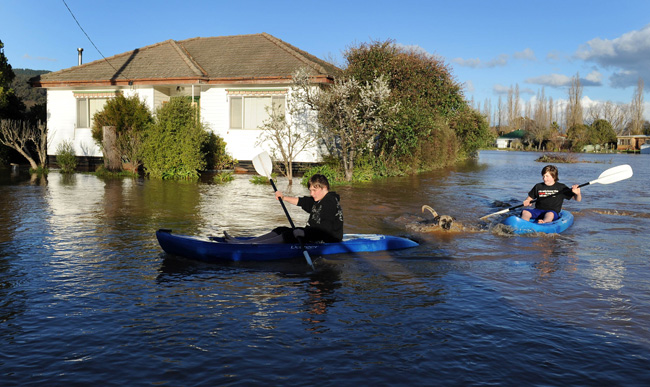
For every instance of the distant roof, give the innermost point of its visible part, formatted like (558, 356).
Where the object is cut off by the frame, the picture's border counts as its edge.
(519, 133)
(257, 58)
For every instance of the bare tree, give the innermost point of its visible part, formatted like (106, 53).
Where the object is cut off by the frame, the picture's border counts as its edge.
(487, 111)
(616, 114)
(541, 122)
(574, 107)
(288, 136)
(499, 114)
(636, 109)
(20, 135)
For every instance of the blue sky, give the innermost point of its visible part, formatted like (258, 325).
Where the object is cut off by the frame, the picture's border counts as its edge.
(489, 45)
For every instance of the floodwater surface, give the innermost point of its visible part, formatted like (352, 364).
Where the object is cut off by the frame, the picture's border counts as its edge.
(87, 297)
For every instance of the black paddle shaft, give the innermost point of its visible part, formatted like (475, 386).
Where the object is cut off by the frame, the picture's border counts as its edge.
(283, 206)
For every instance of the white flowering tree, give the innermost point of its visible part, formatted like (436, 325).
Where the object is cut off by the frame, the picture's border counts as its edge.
(350, 115)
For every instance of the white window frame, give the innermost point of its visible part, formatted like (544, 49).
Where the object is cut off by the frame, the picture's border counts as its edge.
(247, 108)
(87, 104)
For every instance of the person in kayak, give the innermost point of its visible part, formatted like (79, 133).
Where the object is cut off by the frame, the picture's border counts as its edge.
(550, 195)
(325, 222)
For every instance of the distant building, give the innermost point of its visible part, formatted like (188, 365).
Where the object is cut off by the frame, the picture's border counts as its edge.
(510, 140)
(631, 143)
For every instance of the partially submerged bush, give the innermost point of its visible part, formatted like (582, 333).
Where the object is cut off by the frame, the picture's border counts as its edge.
(567, 158)
(66, 157)
(223, 177)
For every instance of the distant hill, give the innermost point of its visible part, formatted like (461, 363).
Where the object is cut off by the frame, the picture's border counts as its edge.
(29, 95)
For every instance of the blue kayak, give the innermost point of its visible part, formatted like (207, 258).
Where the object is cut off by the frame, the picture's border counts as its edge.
(214, 249)
(521, 226)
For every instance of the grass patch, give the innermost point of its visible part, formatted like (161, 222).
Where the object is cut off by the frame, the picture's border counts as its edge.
(101, 171)
(259, 179)
(223, 177)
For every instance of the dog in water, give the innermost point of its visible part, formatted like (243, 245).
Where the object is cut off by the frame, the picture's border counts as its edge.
(443, 221)
(427, 224)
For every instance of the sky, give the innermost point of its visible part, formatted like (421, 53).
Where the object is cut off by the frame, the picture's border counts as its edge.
(490, 46)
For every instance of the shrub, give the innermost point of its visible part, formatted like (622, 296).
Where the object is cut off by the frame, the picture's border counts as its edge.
(216, 156)
(174, 144)
(66, 157)
(330, 171)
(131, 118)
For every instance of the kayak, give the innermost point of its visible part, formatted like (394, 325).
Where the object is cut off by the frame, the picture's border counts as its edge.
(521, 226)
(213, 249)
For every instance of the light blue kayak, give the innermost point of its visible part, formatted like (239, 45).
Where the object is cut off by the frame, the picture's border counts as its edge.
(521, 226)
(214, 249)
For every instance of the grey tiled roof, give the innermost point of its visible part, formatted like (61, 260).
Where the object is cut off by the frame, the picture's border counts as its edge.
(226, 59)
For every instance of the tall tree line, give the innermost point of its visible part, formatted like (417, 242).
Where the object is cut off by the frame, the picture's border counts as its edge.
(542, 116)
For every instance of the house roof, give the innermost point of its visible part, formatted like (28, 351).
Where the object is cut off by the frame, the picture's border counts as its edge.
(257, 58)
(519, 133)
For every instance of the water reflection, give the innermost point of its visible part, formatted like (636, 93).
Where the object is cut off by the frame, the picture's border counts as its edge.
(83, 283)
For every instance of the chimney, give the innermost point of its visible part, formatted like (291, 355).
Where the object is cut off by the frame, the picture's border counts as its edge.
(80, 50)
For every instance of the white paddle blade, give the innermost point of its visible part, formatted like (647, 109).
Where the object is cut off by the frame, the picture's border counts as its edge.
(613, 175)
(263, 164)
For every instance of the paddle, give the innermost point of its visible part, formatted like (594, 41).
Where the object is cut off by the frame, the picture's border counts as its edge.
(264, 166)
(610, 176)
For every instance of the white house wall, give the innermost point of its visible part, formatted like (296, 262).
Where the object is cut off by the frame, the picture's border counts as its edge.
(62, 122)
(240, 143)
(215, 114)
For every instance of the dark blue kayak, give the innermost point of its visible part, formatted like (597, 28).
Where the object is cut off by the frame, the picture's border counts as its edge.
(214, 249)
(521, 226)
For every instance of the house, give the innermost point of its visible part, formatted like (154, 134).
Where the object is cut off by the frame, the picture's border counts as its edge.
(231, 78)
(510, 140)
(631, 143)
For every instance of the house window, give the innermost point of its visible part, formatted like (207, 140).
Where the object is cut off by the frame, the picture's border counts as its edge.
(250, 111)
(86, 109)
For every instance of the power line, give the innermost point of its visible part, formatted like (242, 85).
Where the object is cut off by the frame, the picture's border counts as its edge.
(91, 41)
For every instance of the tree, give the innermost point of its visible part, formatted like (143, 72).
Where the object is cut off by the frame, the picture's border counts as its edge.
(579, 135)
(287, 138)
(615, 114)
(429, 99)
(602, 133)
(21, 136)
(130, 117)
(574, 107)
(172, 147)
(11, 107)
(351, 115)
(636, 109)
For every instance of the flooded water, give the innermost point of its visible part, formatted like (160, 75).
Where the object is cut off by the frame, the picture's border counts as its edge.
(87, 297)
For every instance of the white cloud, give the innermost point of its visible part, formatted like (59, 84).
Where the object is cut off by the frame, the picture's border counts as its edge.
(552, 80)
(500, 89)
(554, 56)
(473, 63)
(560, 80)
(526, 54)
(38, 58)
(498, 61)
(628, 55)
(504, 90)
(469, 87)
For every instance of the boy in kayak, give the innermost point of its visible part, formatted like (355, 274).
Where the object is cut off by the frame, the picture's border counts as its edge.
(549, 195)
(325, 222)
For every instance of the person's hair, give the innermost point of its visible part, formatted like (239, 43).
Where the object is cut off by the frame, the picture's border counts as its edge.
(318, 181)
(552, 169)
